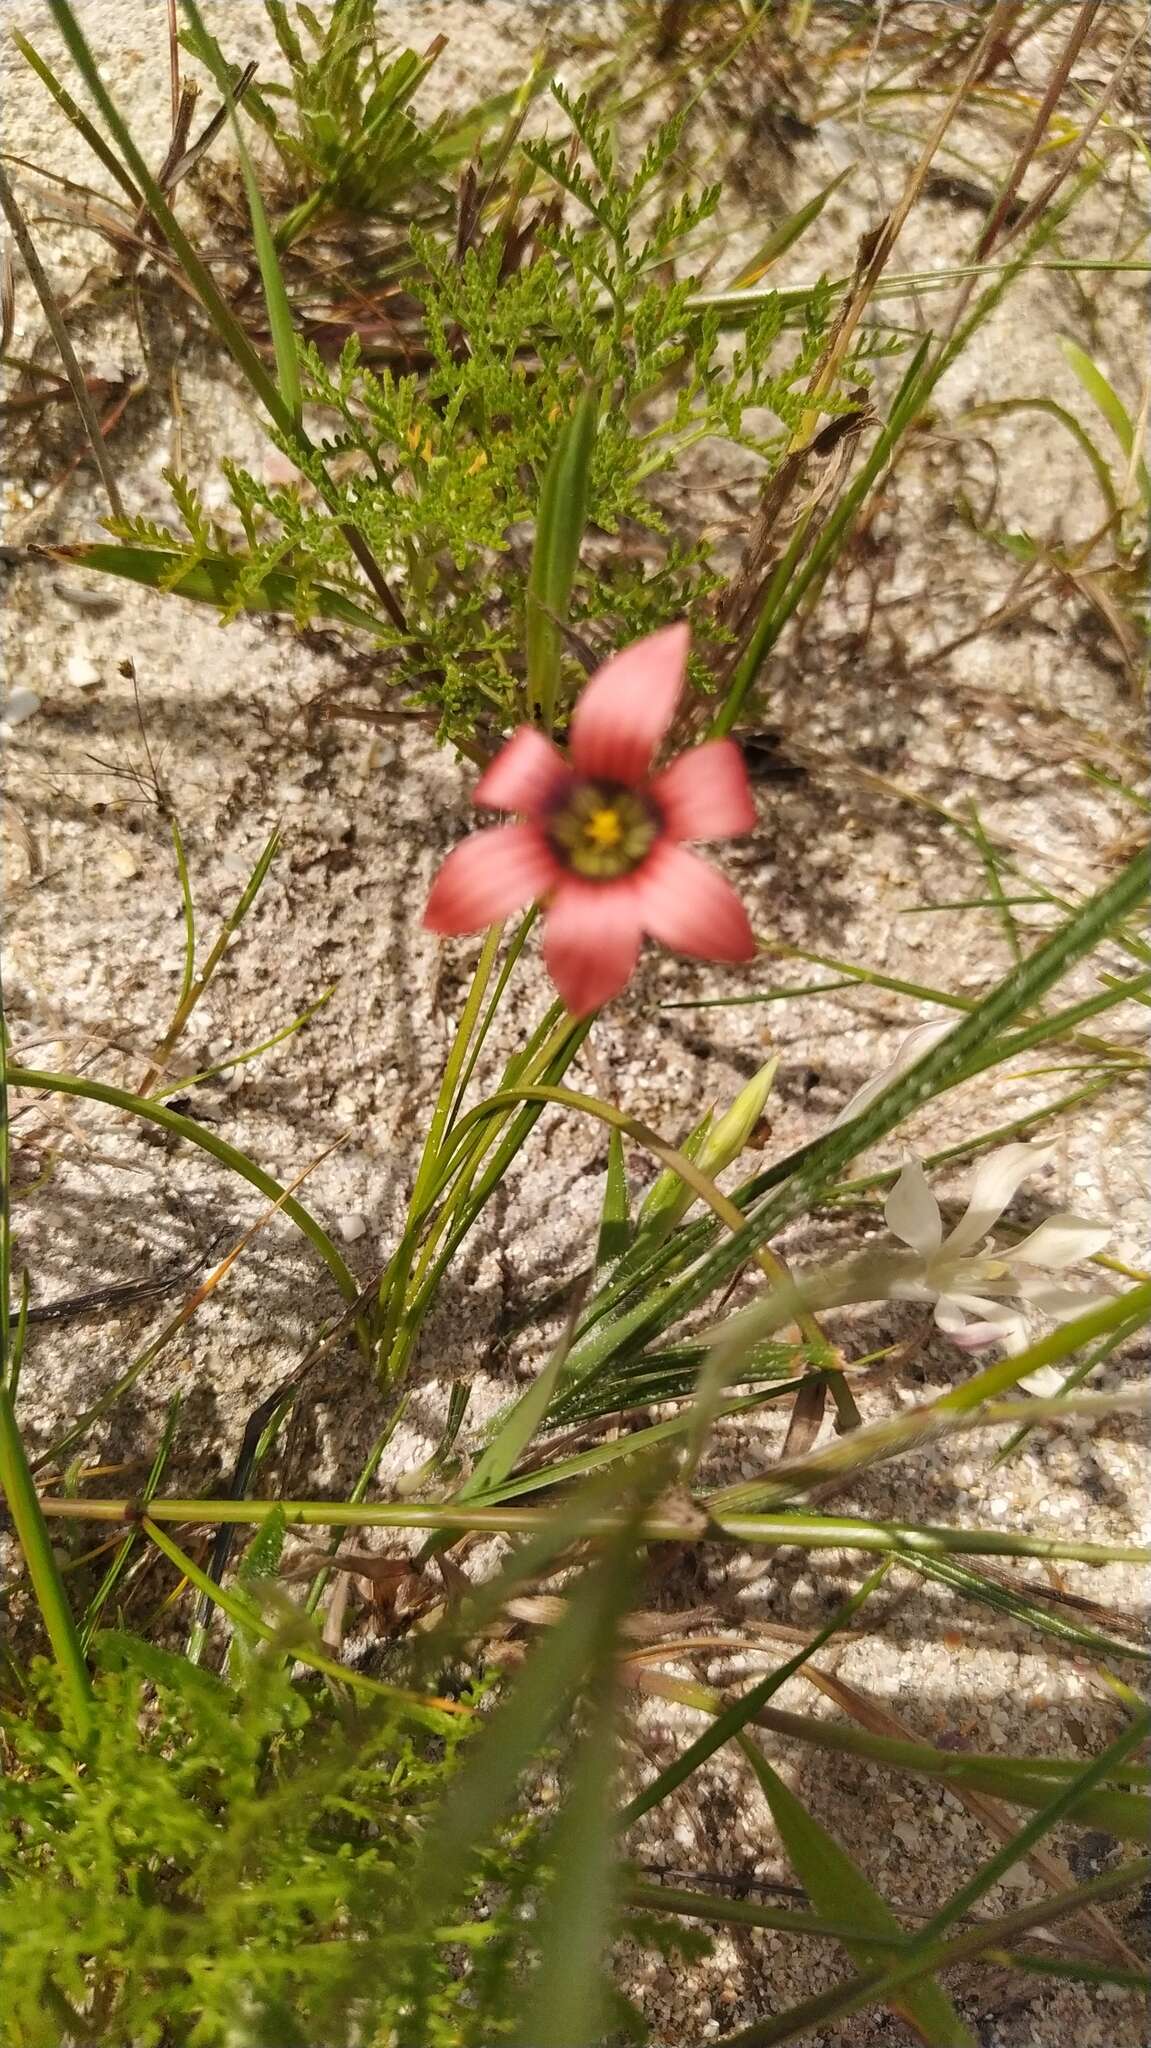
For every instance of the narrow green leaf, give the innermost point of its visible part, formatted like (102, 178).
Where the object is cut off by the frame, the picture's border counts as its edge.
(538, 1702)
(788, 231)
(793, 574)
(283, 331)
(208, 1141)
(214, 580)
(519, 1425)
(247, 1053)
(1104, 395)
(615, 1224)
(986, 1934)
(714, 1144)
(119, 1562)
(189, 974)
(564, 2003)
(16, 1482)
(619, 1450)
(559, 536)
(735, 1717)
(1020, 1781)
(669, 1195)
(1100, 391)
(1073, 1969)
(212, 299)
(440, 1122)
(924, 1952)
(261, 1559)
(1061, 1627)
(1001, 407)
(836, 1885)
(79, 119)
(729, 1912)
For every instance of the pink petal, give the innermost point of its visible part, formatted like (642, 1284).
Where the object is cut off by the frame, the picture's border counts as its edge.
(705, 794)
(488, 876)
(591, 941)
(1001, 1325)
(627, 707)
(689, 907)
(526, 775)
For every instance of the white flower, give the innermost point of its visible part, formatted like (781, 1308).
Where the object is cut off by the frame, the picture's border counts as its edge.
(968, 1276)
(909, 1049)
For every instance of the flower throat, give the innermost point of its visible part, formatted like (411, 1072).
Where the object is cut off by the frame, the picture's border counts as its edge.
(603, 830)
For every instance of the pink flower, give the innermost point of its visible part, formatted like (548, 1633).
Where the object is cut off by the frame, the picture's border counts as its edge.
(601, 842)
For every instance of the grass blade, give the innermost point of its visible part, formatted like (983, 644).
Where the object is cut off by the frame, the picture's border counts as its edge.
(276, 299)
(615, 1221)
(62, 339)
(564, 2006)
(835, 1884)
(555, 556)
(79, 119)
(985, 1935)
(16, 1481)
(208, 1141)
(214, 580)
(735, 1717)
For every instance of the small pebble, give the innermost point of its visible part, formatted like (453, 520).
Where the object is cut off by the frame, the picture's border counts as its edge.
(123, 862)
(19, 705)
(352, 1227)
(81, 671)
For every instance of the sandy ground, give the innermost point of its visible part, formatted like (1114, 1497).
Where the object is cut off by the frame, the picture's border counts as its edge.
(841, 864)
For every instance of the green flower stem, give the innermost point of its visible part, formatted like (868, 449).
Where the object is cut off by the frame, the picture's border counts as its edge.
(442, 1113)
(466, 1199)
(410, 1280)
(19, 1489)
(805, 1531)
(193, 987)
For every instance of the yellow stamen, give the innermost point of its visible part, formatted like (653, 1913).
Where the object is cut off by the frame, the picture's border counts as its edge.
(603, 828)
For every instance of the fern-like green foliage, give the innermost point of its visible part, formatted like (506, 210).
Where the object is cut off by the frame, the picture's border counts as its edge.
(440, 467)
(347, 141)
(230, 1862)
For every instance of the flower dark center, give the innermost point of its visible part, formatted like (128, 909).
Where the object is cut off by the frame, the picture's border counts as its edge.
(602, 830)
